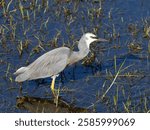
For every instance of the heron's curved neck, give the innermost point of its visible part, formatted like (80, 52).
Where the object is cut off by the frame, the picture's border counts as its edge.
(78, 55)
(83, 51)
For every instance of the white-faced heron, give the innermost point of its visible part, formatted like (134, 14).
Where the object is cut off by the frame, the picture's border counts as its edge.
(53, 62)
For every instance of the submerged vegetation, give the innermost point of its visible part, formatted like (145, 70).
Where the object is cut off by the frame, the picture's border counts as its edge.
(114, 77)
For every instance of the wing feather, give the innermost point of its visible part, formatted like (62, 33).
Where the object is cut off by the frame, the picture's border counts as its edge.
(49, 64)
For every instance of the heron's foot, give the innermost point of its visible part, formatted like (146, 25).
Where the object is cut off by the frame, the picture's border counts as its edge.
(56, 93)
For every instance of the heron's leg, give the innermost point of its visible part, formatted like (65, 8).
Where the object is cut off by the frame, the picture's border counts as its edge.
(53, 85)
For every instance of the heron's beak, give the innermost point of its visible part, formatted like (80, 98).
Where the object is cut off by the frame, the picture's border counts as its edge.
(101, 40)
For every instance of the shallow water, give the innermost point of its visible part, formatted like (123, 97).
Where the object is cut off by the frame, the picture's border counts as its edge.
(54, 24)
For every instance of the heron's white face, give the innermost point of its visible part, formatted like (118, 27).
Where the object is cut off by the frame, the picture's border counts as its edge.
(89, 38)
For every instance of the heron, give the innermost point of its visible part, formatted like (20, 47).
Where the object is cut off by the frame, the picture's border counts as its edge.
(51, 63)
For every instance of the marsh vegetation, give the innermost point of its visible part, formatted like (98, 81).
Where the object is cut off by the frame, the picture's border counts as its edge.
(114, 77)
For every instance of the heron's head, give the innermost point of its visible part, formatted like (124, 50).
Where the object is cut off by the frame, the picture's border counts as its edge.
(90, 38)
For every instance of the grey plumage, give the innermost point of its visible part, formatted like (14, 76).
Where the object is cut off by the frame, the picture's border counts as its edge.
(55, 61)
(49, 64)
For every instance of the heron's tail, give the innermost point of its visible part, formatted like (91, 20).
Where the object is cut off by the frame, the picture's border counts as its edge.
(22, 74)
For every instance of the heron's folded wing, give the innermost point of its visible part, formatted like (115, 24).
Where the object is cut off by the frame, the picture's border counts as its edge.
(51, 63)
